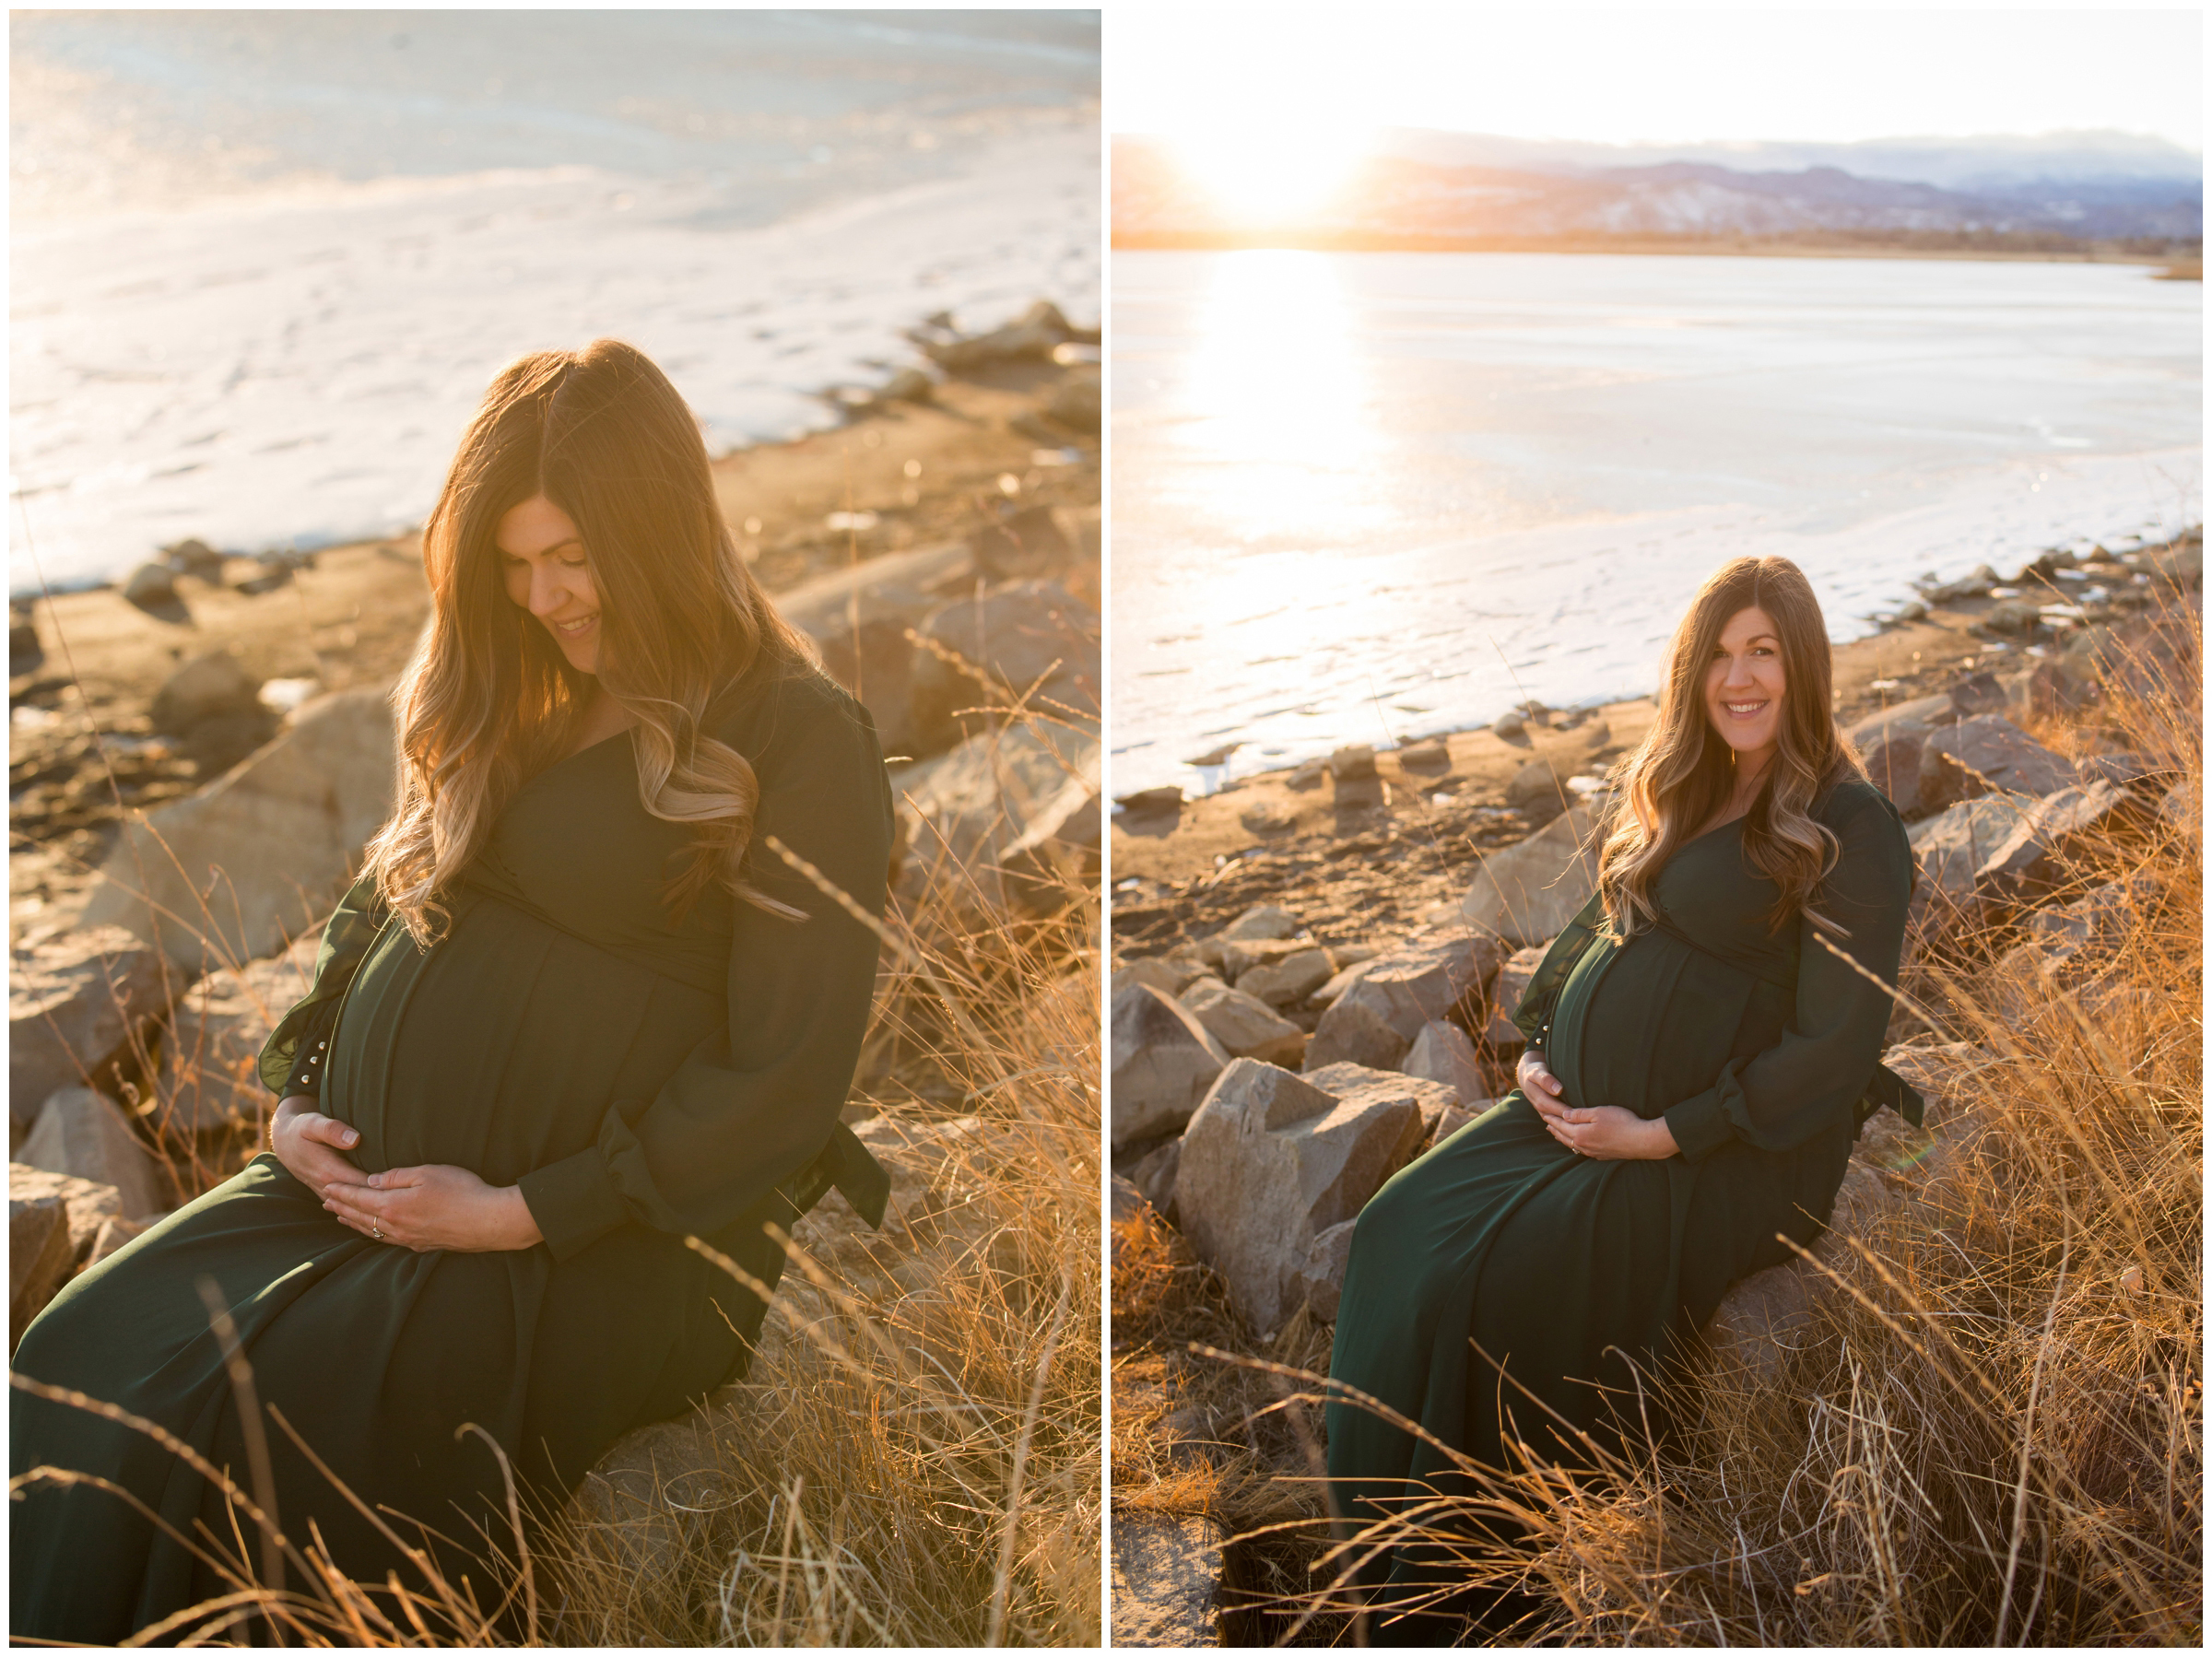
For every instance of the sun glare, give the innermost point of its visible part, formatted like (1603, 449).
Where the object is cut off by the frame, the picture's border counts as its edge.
(1270, 176)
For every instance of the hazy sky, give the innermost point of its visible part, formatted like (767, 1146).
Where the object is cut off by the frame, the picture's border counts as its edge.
(1653, 73)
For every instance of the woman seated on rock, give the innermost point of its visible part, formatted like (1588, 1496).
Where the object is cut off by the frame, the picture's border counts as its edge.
(576, 1009)
(1696, 1066)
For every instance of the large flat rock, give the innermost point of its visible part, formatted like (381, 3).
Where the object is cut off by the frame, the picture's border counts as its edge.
(1162, 1062)
(74, 1003)
(271, 844)
(1269, 1162)
(1528, 892)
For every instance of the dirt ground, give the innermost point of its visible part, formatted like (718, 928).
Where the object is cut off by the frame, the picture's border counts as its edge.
(81, 738)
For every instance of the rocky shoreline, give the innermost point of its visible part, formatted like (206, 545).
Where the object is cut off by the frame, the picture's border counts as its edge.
(200, 752)
(1314, 970)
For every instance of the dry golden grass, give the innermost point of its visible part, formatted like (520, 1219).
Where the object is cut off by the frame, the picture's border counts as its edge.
(914, 1456)
(1993, 1430)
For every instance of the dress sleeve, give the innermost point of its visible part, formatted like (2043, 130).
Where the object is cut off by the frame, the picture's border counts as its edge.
(292, 1059)
(757, 1100)
(1779, 1097)
(1532, 1016)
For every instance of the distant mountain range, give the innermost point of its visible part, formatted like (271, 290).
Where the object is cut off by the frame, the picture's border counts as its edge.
(1427, 187)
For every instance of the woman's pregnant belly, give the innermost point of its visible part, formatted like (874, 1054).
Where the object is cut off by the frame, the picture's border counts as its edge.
(1652, 1023)
(502, 1049)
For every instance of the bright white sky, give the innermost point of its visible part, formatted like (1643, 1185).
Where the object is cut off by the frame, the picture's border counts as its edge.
(1652, 74)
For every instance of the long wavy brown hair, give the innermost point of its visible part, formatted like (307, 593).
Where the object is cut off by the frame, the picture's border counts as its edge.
(488, 699)
(1685, 771)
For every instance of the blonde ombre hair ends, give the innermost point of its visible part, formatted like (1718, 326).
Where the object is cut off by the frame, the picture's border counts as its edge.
(488, 699)
(1684, 771)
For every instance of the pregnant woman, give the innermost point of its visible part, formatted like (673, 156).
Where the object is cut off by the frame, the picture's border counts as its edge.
(576, 1009)
(1697, 1064)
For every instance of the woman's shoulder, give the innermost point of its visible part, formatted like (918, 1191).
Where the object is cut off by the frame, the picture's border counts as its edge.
(1852, 799)
(779, 710)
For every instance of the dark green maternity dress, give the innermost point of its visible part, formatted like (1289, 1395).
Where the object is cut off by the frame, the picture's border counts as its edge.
(1755, 1045)
(640, 1077)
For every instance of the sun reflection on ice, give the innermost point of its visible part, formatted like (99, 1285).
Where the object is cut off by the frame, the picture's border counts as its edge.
(1284, 430)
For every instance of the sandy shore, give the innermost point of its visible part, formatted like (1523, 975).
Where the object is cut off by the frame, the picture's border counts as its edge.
(82, 739)
(1362, 863)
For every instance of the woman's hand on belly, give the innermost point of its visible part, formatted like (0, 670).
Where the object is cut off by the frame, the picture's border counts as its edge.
(311, 1145)
(1607, 1132)
(435, 1206)
(1604, 1132)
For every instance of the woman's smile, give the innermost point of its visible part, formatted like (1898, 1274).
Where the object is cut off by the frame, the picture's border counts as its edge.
(1744, 685)
(543, 563)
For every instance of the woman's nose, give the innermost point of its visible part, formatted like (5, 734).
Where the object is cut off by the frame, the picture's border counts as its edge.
(548, 591)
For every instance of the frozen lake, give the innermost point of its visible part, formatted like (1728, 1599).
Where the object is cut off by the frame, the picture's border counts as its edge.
(264, 263)
(1364, 497)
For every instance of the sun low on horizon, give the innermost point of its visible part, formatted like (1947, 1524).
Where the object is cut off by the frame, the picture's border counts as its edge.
(1270, 173)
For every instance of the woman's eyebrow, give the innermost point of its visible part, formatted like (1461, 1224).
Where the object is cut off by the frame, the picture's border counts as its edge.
(575, 541)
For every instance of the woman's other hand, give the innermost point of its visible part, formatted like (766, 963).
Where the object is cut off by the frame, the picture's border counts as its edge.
(1538, 1085)
(435, 1206)
(311, 1145)
(1608, 1133)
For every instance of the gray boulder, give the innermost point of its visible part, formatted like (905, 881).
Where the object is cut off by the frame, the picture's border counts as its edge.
(206, 687)
(1055, 858)
(1262, 921)
(1354, 1032)
(151, 586)
(272, 844)
(1539, 788)
(2030, 861)
(1321, 1278)
(74, 1004)
(1155, 1176)
(1456, 1117)
(1952, 848)
(860, 617)
(1891, 742)
(1026, 639)
(1238, 956)
(38, 1254)
(2098, 921)
(1164, 973)
(1287, 980)
(209, 1077)
(1506, 990)
(86, 1135)
(1424, 976)
(1352, 763)
(1530, 891)
(1442, 1053)
(993, 794)
(1987, 754)
(1357, 1085)
(1163, 1062)
(1269, 1162)
(1246, 1027)
(90, 1206)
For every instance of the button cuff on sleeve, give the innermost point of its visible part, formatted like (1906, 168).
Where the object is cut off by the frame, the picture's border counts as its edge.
(1698, 1124)
(574, 1201)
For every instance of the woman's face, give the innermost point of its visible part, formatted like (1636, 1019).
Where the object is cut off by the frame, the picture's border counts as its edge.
(541, 555)
(1744, 685)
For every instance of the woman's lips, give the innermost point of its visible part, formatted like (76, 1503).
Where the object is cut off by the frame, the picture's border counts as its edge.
(574, 629)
